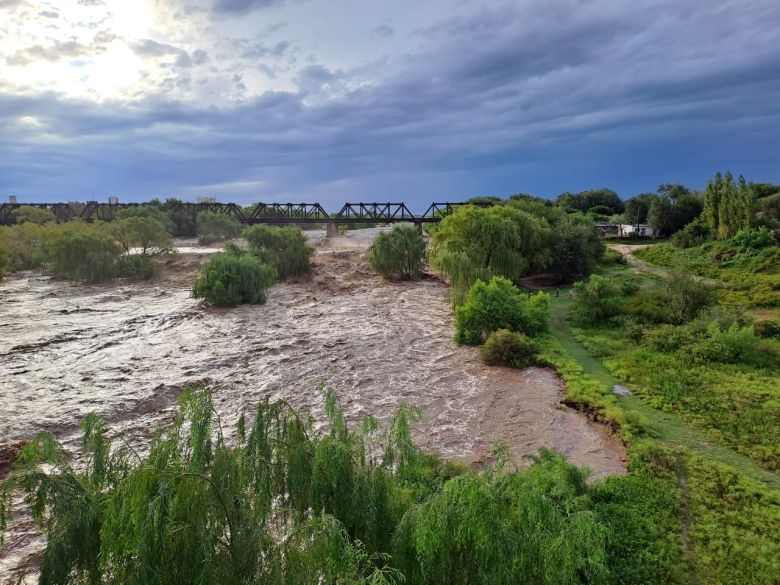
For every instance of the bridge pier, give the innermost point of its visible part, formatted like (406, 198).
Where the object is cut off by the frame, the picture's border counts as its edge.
(332, 229)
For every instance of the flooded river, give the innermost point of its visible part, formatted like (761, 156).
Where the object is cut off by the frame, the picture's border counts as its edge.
(124, 350)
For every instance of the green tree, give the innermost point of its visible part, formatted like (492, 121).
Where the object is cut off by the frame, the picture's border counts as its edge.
(145, 235)
(398, 254)
(575, 248)
(496, 305)
(687, 295)
(182, 217)
(584, 200)
(638, 207)
(234, 277)
(30, 214)
(480, 243)
(216, 227)
(153, 211)
(596, 299)
(286, 248)
(22, 244)
(82, 253)
(728, 206)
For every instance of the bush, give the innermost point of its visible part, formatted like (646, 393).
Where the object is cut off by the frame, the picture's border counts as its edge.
(499, 305)
(694, 234)
(83, 253)
(137, 265)
(22, 245)
(398, 254)
(596, 299)
(753, 239)
(649, 307)
(285, 248)
(232, 278)
(30, 214)
(687, 295)
(216, 227)
(4, 262)
(734, 345)
(575, 248)
(148, 211)
(506, 348)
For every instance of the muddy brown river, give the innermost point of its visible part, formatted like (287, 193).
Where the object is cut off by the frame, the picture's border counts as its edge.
(124, 350)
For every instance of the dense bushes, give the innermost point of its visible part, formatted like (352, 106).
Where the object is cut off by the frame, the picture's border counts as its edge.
(29, 214)
(234, 277)
(499, 305)
(216, 227)
(508, 348)
(142, 235)
(398, 254)
(575, 248)
(82, 253)
(283, 247)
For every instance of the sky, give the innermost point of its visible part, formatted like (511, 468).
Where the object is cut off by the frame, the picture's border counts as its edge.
(374, 100)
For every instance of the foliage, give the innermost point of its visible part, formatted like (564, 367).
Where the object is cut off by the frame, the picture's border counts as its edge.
(479, 243)
(142, 235)
(233, 277)
(142, 266)
(507, 348)
(732, 346)
(596, 299)
(284, 247)
(575, 248)
(82, 252)
(22, 245)
(216, 227)
(585, 200)
(637, 208)
(694, 234)
(753, 239)
(499, 305)
(282, 505)
(150, 211)
(398, 254)
(5, 262)
(687, 295)
(30, 214)
(669, 214)
(185, 224)
(728, 206)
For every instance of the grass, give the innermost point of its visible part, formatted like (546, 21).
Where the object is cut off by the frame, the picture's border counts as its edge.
(665, 427)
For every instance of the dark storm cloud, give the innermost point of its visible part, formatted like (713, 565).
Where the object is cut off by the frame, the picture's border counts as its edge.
(501, 101)
(242, 6)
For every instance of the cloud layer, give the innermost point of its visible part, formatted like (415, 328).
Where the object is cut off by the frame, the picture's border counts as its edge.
(271, 100)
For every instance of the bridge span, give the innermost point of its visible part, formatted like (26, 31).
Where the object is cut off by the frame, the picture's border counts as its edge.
(271, 213)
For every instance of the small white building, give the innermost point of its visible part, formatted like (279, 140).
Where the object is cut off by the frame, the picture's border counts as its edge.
(642, 230)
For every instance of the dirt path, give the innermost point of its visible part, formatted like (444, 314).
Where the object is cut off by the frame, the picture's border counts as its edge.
(627, 251)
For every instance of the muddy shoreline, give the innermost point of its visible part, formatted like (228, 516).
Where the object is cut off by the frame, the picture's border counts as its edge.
(125, 349)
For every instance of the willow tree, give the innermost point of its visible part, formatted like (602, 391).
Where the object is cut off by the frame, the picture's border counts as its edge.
(479, 243)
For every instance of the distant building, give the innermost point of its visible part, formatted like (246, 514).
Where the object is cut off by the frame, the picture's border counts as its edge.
(206, 200)
(113, 200)
(625, 230)
(12, 199)
(642, 230)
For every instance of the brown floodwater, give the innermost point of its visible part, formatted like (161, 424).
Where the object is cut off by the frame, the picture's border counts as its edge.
(124, 350)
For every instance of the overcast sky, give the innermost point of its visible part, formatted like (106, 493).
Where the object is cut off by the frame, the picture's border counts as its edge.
(315, 100)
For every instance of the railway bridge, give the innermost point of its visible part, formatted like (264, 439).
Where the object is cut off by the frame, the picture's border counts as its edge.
(269, 213)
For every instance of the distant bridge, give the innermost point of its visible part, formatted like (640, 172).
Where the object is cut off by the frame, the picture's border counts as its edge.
(272, 213)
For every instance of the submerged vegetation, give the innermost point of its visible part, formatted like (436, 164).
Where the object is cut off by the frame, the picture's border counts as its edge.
(398, 254)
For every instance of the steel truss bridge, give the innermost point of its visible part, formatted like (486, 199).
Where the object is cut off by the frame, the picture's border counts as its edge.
(271, 213)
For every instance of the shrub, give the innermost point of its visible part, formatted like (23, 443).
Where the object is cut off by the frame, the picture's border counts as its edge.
(230, 278)
(499, 305)
(137, 265)
(687, 295)
(596, 299)
(216, 227)
(285, 248)
(694, 234)
(753, 239)
(398, 254)
(734, 345)
(83, 253)
(575, 248)
(30, 214)
(507, 348)
(4, 262)
(149, 211)
(22, 245)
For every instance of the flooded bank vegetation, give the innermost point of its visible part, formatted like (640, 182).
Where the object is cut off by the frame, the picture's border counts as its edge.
(281, 503)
